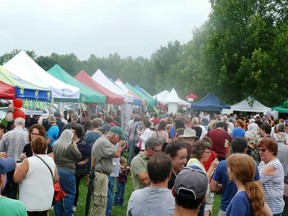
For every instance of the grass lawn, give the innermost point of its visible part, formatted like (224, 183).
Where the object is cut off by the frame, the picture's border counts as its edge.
(121, 211)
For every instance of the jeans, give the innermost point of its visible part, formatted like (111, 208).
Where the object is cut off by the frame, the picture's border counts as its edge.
(68, 184)
(119, 196)
(110, 195)
(78, 180)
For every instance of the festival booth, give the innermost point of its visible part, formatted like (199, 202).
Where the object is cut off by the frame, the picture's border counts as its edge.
(136, 100)
(148, 101)
(12, 87)
(127, 107)
(250, 104)
(209, 103)
(24, 67)
(171, 99)
(174, 101)
(111, 98)
(138, 88)
(87, 95)
(282, 108)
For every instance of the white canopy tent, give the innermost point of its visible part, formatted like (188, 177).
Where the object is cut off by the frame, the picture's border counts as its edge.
(172, 99)
(24, 67)
(244, 106)
(100, 77)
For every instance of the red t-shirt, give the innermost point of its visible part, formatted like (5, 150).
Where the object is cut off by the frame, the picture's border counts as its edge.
(218, 137)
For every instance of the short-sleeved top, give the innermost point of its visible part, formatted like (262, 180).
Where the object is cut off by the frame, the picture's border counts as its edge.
(91, 137)
(138, 165)
(273, 186)
(239, 205)
(12, 207)
(53, 134)
(151, 201)
(104, 151)
(229, 188)
(218, 137)
(238, 132)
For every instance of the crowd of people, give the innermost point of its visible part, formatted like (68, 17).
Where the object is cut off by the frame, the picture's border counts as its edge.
(176, 163)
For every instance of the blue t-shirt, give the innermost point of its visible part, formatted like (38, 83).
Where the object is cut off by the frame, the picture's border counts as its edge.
(53, 134)
(229, 188)
(239, 205)
(238, 132)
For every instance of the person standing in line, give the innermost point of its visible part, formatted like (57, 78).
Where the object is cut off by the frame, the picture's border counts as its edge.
(271, 175)
(189, 195)
(66, 154)
(249, 199)
(104, 151)
(121, 182)
(9, 206)
(156, 199)
(219, 137)
(12, 143)
(139, 163)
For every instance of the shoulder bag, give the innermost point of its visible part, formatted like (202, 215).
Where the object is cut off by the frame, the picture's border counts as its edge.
(59, 194)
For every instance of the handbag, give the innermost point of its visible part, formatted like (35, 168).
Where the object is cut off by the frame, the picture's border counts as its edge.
(59, 194)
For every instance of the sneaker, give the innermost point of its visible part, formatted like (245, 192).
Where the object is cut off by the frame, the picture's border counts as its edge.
(74, 208)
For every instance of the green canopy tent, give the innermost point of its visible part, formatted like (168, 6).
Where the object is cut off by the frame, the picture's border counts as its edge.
(282, 108)
(87, 95)
(149, 101)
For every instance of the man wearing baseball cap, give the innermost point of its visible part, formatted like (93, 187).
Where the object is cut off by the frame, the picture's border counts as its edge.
(190, 188)
(9, 206)
(104, 150)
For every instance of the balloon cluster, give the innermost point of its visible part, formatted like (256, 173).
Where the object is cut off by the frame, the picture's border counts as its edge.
(191, 97)
(18, 113)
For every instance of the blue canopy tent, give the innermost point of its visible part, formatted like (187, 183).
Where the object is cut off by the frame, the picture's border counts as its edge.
(209, 103)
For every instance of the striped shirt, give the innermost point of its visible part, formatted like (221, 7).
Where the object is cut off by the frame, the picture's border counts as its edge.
(273, 186)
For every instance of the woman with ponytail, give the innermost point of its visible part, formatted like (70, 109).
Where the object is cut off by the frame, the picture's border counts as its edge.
(249, 199)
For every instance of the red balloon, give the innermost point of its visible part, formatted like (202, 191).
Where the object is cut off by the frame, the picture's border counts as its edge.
(17, 102)
(18, 114)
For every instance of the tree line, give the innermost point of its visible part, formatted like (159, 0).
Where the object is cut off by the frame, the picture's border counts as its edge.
(241, 50)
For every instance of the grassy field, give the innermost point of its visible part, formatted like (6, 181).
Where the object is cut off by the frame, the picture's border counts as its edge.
(121, 211)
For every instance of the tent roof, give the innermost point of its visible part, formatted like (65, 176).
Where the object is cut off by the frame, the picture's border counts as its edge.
(7, 91)
(161, 96)
(23, 66)
(138, 88)
(149, 101)
(136, 100)
(13, 86)
(111, 98)
(282, 108)
(99, 77)
(87, 95)
(170, 97)
(209, 103)
(245, 107)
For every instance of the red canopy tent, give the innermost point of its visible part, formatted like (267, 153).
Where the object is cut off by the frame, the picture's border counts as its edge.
(7, 91)
(111, 98)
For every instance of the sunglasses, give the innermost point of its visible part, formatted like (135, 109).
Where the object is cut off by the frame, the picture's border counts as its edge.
(262, 149)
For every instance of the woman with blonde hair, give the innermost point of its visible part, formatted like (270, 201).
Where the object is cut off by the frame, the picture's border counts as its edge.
(249, 199)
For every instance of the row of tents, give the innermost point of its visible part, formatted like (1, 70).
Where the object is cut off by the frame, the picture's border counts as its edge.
(212, 103)
(22, 77)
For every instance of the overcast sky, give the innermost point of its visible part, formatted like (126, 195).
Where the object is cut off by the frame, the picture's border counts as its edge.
(83, 27)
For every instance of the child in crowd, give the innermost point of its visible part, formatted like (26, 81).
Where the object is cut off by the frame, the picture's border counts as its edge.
(121, 182)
